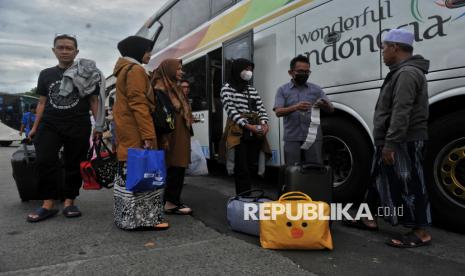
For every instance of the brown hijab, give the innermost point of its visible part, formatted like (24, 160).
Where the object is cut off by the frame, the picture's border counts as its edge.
(164, 78)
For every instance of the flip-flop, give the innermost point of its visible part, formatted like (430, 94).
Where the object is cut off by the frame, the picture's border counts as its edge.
(177, 210)
(409, 240)
(42, 214)
(71, 212)
(359, 224)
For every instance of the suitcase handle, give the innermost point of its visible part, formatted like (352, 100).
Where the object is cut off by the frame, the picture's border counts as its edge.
(27, 153)
(313, 167)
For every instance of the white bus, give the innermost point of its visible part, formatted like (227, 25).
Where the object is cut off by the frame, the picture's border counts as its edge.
(12, 107)
(341, 38)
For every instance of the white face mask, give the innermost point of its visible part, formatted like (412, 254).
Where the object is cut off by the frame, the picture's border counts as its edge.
(246, 75)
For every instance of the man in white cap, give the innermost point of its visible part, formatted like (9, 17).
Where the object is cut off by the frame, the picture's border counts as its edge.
(400, 130)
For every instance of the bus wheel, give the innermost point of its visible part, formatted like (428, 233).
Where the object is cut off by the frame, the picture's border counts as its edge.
(5, 143)
(349, 154)
(445, 171)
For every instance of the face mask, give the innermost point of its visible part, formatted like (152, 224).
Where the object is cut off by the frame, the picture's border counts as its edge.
(301, 79)
(246, 75)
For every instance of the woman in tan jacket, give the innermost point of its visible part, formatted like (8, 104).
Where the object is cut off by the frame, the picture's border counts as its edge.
(134, 129)
(177, 143)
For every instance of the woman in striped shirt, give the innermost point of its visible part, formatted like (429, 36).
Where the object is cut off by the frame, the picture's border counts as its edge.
(247, 123)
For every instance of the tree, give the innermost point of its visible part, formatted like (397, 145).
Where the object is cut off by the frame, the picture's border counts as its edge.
(31, 92)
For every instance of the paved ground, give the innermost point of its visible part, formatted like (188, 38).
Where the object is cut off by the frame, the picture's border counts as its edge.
(201, 244)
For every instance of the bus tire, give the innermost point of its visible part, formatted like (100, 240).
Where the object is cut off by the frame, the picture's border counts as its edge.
(5, 143)
(445, 171)
(349, 153)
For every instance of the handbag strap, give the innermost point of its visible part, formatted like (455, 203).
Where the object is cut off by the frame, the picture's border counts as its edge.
(98, 144)
(294, 196)
(91, 151)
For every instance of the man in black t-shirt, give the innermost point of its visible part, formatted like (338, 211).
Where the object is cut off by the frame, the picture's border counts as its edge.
(61, 121)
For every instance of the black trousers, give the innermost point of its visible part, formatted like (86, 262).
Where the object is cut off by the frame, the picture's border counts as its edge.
(174, 184)
(48, 141)
(245, 155)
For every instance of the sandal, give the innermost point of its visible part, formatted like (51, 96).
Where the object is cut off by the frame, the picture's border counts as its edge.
(409, 240)
(359, 224)
(42, 214)
(71, 211)
(178, 210)
(162, 226)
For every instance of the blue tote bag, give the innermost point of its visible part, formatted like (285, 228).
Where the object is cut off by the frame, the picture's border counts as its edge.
(146, 170)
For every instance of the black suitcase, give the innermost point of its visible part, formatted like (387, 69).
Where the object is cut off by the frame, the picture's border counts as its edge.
(23, 163)
(312, 179)
(25, 173)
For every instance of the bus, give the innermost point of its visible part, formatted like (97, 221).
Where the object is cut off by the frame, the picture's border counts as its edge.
(12, 107)
(342, 40)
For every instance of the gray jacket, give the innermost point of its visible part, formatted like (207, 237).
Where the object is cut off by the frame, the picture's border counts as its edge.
(85, 75)
(401, 113)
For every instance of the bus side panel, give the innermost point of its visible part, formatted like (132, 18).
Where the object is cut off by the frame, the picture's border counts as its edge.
(364, 106)
(340, 41)
(439, 32)
(274, 49)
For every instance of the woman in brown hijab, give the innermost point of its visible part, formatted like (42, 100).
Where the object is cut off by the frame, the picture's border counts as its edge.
(177, 143)
(134, 129)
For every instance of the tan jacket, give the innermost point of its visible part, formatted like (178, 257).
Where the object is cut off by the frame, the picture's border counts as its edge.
(232, 137)
(132, 109)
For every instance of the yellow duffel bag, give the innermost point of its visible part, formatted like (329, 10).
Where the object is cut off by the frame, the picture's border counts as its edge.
(281, 227)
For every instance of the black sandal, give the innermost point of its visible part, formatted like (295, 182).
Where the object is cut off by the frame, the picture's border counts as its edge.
(42, 214)
(72, 212)
(409, 240)
(177, 210)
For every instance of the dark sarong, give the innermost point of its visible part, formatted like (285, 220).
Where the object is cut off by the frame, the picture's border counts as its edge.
(401, 185)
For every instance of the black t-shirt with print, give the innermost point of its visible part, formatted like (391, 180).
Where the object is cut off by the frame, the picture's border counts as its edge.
(59, 109)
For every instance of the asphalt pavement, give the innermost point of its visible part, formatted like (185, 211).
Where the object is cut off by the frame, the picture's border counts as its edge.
(201, 244)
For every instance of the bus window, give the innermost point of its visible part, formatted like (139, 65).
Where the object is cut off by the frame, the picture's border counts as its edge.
(164, 38)
(188, 15)
(26, 103)
(196, 75)
(454, 4)
(218, 6)
(240, 47)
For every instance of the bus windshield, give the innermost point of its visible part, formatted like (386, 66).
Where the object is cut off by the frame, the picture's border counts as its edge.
(178, 18)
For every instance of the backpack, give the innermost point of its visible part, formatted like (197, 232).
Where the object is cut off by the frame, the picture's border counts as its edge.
(163, 116)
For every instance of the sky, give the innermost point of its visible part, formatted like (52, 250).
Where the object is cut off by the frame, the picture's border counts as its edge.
(27, 30)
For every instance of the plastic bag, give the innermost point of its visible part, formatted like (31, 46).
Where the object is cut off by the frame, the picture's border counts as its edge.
(146, 170)
(198, 165)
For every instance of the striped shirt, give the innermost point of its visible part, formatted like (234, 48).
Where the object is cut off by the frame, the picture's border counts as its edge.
(236, 103)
